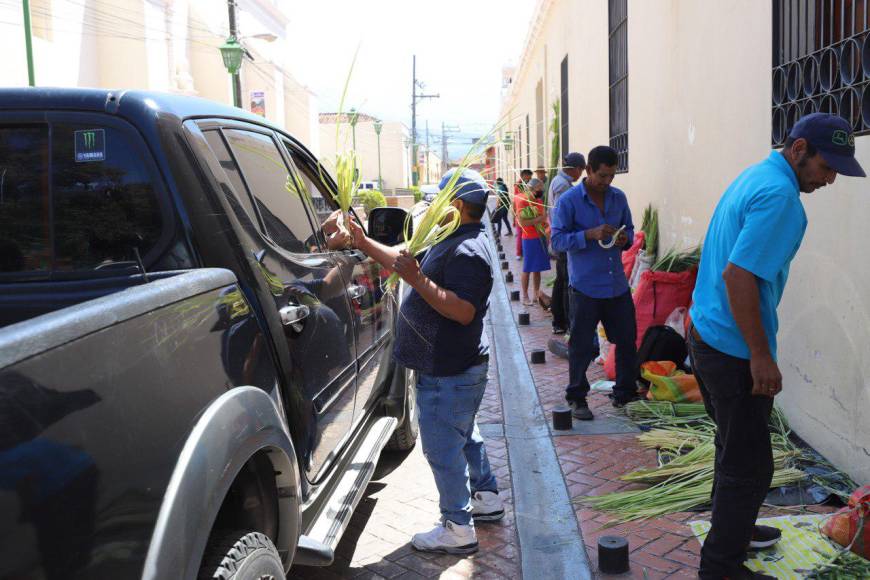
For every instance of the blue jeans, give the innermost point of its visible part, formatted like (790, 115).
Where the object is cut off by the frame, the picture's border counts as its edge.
(451, 440)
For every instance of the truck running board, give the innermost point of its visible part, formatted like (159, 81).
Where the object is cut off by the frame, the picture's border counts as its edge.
(317, 546)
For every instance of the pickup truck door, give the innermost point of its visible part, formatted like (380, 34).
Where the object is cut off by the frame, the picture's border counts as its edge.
(373, 309)
(306, 283)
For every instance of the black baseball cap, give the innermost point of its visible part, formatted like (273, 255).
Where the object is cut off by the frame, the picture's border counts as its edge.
(832, 135)
(575, 160)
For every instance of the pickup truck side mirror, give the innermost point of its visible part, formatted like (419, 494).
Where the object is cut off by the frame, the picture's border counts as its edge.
(387, 225)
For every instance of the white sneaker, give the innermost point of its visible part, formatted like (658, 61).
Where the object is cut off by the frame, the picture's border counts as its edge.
(447, 538)
(487, 506)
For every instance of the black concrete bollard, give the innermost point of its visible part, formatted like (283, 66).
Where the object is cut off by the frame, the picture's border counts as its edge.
(501, 255)
(515, 295)
(562, 420)
(539, 357)
(504, 265)
(523, 319)
(613, 554)
(509, 277)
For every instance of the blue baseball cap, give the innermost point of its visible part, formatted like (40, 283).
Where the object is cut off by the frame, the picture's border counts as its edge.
(470, 186)
(575, 160)
(832, 135)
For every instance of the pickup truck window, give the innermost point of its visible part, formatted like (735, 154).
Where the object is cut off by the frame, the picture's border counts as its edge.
(25, 239)
(74, 198)
(265, 173)
(219, 148)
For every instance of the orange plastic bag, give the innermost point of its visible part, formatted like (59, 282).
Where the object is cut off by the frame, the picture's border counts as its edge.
(630, 255)
(850, 524)
(666, 383)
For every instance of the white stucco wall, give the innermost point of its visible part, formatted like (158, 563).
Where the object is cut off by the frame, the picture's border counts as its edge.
(699, 113)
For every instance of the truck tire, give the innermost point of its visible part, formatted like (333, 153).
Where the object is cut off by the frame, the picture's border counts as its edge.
(405, 436)
(242, 555)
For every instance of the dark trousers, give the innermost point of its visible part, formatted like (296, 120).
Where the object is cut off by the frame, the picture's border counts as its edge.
(617, 316)
(744, 459)
(501, 215)
(559, 305)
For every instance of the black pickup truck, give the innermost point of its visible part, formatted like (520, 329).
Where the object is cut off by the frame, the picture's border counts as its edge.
(192, 383)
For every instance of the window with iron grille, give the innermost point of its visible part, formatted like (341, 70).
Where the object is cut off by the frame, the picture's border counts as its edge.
(821, 63)
(563, 95)
(618, 37)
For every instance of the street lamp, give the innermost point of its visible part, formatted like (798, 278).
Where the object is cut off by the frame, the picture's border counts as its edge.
(353, 119)
(508, 142)
(378, 126)
(231, 52)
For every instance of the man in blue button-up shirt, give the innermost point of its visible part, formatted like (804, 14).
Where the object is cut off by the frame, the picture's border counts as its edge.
(585, 221)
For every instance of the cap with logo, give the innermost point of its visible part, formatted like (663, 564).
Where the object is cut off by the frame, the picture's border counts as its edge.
(833, 137)
(470, 186)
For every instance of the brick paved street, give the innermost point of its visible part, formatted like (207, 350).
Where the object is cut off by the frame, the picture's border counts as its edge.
(402, 499)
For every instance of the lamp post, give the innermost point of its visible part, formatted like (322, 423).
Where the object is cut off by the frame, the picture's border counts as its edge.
(508, 143)
(28, 43)
(353, 119)
(231, 52)
(378, 126)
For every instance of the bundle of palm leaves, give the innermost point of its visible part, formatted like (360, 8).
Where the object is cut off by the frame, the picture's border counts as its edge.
(678, 261)
(683, 478)
(650, 227)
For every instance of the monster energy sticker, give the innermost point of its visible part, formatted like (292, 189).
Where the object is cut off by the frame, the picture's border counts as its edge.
(90, 145)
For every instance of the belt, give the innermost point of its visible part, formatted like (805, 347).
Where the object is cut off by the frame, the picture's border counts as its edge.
(695, 334)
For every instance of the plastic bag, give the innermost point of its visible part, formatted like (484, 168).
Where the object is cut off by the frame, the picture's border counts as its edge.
(666, 383)
(642, 264)
(851, 525)
(677, 320)
(629, 256)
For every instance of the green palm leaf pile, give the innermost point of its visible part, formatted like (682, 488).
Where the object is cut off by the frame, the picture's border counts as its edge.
(683, 478)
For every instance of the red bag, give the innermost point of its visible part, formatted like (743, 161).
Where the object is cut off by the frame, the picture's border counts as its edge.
(630, 255)
(844, 525)
(657, 295)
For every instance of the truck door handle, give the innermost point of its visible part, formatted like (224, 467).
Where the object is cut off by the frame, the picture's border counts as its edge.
(293, 314)
(356, 292)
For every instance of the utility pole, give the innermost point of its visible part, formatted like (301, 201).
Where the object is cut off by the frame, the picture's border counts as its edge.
(427, 150)
(415, 96)
(28, 43)
(237, 80)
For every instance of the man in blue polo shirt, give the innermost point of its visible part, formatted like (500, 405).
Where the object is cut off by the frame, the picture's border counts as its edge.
(755, 232)
(439, 334)
(592, 223)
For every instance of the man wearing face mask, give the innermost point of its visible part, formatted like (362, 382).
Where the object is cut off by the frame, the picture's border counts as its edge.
(753, 235)
(440, 335)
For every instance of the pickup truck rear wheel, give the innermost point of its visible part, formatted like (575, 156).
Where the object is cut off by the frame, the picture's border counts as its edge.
(405, 435)
(242, 556)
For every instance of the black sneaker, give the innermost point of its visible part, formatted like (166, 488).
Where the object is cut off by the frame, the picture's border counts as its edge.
(620, 402)
(744, 573)
(580, 410)
(764, 537)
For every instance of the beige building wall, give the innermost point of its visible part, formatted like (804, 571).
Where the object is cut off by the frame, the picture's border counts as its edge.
(699, 113)
(395, 152)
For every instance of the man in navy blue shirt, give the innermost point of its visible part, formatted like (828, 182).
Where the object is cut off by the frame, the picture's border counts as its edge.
(440, 335)
(592, 223)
